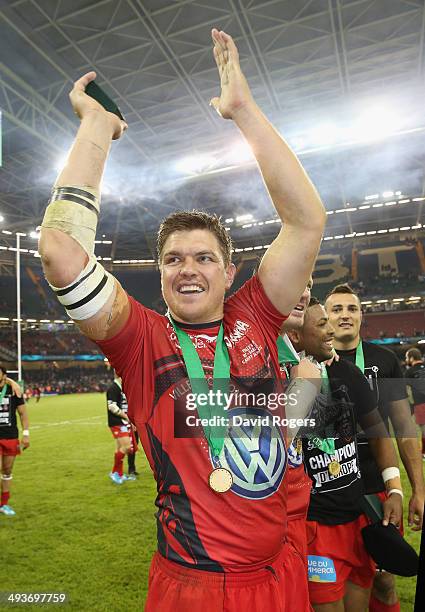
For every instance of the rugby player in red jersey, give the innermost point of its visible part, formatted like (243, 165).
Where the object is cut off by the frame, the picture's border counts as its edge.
(296, 480)
(11, 402)
(221, 503)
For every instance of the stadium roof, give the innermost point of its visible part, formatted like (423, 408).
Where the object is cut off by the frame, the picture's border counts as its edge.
(343, 80)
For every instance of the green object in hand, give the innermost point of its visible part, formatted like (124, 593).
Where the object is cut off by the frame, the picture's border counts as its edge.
(94, 91)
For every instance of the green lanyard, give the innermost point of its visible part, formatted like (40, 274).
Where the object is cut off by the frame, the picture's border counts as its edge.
(286, 352)
(360, 356)
(288, 356)
(221, 376)
(3, 392)
(327, 445)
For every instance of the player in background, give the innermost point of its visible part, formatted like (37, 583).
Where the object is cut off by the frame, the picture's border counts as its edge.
(381, 367)
(340, 570)
(415, 376)
(122, 431)
(11, 402)
(296, 479)
(209, 517)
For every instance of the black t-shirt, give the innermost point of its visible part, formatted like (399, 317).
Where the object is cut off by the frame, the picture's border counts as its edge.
(8, 407)
(115, 394)
(416, 381)
(335, 496)
(383, 372)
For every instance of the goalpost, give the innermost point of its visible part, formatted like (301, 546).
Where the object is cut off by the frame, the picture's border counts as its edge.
(18, 312)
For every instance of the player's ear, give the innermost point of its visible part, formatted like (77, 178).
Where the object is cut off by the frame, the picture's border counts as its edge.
(230, 275)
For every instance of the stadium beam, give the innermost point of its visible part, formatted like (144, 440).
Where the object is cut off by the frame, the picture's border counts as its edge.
(183, 76)
(339, 43)
(255, 51)
(36, 110)
(421, 59)
(21, 27)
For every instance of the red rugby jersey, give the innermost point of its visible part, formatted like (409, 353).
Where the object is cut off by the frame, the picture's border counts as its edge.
(297, 482)
(243, 528)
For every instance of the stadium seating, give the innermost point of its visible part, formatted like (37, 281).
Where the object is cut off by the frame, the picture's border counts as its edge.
(394, 325)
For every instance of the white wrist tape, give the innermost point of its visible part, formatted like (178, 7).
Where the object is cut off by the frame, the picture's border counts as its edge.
(6, 477)
(74, 211)
(398, 491)
(25, 432)
(112, 407)
(86, 295)
(389, 473)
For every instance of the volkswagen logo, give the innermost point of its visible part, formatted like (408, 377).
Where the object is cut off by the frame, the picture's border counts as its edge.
(255, 454)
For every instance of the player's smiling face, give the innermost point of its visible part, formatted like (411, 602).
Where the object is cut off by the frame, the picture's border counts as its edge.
(194, 277)
(317, 333)
(345, 315)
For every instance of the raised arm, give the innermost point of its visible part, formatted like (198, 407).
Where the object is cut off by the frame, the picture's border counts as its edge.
(91, 296)
(287, 265)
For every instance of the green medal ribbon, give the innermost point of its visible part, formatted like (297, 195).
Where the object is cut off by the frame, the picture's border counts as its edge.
(360, 356)
(286, 353)
(3, 392)
(214, 434)
(327, 445)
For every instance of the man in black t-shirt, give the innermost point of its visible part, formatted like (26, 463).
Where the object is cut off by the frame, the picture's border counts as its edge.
(123, 432)
(339, 566)
(382, 370)
(11, 402)
(415, 375)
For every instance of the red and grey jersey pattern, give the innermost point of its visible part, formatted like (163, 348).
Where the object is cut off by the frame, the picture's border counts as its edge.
(196, 526)
(8, 408)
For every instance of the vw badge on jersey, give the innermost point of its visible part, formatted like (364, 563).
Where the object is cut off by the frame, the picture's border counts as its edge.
(255, 454)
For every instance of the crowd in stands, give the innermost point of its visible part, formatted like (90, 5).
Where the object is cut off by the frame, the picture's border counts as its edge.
(44, 342)
(67, 380)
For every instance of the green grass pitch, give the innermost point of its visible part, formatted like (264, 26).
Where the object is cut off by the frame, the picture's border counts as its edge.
(77, 532)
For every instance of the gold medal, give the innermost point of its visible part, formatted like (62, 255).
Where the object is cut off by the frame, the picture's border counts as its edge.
(334, 468)
(220, 480)
(299, 446)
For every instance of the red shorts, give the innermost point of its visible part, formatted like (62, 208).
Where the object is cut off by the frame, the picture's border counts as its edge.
(175, 588)
(10, 448)
(299, 487)
(125, 431)
(420, 414)
(336, 554)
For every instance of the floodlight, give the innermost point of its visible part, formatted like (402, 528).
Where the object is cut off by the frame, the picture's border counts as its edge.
(194, 164)
(324, 134)
(377, 122)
